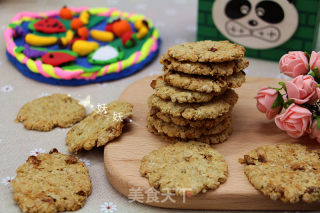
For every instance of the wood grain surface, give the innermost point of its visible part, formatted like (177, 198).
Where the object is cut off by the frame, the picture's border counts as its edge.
(251, 129)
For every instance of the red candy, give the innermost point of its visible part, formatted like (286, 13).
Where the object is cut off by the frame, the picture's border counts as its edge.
(49, 25)
(109, 27)
(57, 58)
(126, 37)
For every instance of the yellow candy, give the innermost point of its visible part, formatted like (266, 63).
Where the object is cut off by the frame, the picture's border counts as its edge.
(143, 32)
(139, 24)
(84, 17)
(142, 29)
(102, 35)
(69, 35)
(83, 48)
(65, 40)
(36, 40)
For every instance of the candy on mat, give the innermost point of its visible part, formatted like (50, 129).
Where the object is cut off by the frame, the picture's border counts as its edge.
(66, 13)
(111, 21)
(84, 17)
(142, 27)
(83, 48)
(49, 25)
(83, 32)
(106, 55)
(128, 39)
(32, 53)
(103, 36)
(143, 32)
(36, 40)
(18, 32)
(57, 58)
(76, 23)
(121, 27)
(63, 41)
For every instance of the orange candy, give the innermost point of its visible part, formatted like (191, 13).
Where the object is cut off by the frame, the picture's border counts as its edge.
(66, 13)
(76, 23)
(83, 32)
(121, 27)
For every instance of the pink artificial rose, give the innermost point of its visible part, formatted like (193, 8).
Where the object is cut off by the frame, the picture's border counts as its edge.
(294, 63)
(315, 133)
(315, 60)
(318, 92)
(295, 121)
(265, 99)
(302, 89)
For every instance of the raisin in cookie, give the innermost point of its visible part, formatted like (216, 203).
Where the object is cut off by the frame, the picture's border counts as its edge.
(175, 168)
(46, 113)
(51, 182)
(100, 127)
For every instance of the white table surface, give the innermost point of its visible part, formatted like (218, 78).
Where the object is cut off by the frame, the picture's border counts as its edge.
(176, 21)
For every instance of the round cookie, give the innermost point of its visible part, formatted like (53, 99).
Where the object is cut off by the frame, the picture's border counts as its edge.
(213, 69)
(175, 168)
(196, 111)
(172, 130)
(180, 121)
(51, 182)
(207, 51)
(46, 113)
(167, 92)
(202, 83)
(289, 172)
(100, 127)
(208, 139)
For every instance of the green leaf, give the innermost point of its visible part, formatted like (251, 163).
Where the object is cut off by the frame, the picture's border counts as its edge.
(307, 54)
(283, 85)
(318, 122)
(312, 74)
(278, 102)
(277, 89)
(288, 103)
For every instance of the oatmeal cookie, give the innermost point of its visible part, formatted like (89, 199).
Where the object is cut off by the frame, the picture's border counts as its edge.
(175, 168)
(100, 127)
(288, 172)
(207, 51)
(46, 113)
(203, 84)
(196, 111)
(51, 182)
(213, 69)
(173, 130)
(168, 92)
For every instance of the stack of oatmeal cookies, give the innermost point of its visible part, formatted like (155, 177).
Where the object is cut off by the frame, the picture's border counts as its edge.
(193, 100)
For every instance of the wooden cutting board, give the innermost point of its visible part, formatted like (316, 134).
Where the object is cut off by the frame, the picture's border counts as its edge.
(251, 129)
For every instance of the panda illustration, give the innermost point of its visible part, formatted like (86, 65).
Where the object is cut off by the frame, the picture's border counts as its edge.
(257, 24)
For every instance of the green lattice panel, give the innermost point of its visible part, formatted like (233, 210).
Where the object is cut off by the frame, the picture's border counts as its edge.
(304, 38)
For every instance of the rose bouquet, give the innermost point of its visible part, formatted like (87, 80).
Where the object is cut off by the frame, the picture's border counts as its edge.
(298, 99)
